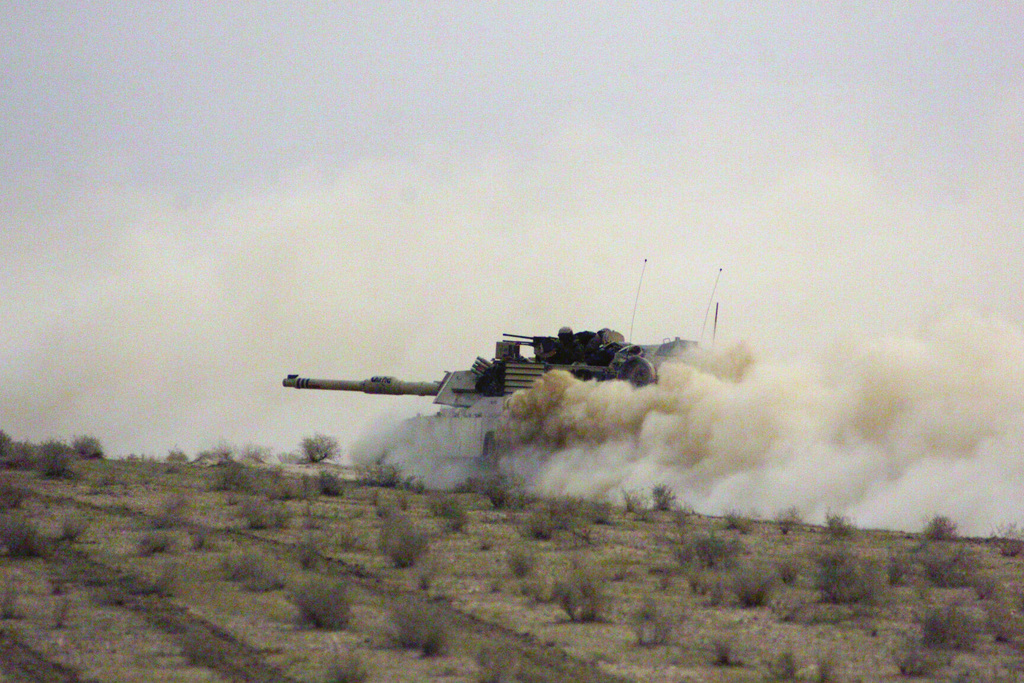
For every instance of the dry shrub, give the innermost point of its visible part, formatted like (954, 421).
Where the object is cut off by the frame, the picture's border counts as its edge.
(11, 496)
(634, 501)
(19, 455)
(329, 484)
(783, 667)
(948, 627)
(265, 514)
(940, 528)
(789, 519)
(663, 497)
(419, 627)
(949, 568)
(9, 600)
(323, 604)
(1009, 538)
(307, 553)
(914, 661)
(176, 456)
(498, 664)
(346, 667)
(788, 571)
(201, 539)
(838, 528)
(21, 537)
(579, 594)
(723, 653)
(451, 510)
(899, 568)
(154, 541)
(379, 474)
(710, 551)
(255, 571)
(735, 521)
(319, 447)
(844, 579)
(650, 624)
(401, 540)
(87, 448)
(753, 586)
(53, 460)
(521, 562)
(232, 475)
(172, 512)
(72, 526)
(502, 492)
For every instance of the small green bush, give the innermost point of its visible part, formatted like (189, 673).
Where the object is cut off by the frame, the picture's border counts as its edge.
(899, 569)
(940, 528)
(788, 571)
(419, 627)
(21, 537)
(402, 541)
(323, 604)
(319, 447)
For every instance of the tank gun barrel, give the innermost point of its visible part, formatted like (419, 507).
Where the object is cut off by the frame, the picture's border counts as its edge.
(374, 385)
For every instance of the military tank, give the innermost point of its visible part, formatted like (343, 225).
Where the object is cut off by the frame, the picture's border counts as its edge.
(473, 400)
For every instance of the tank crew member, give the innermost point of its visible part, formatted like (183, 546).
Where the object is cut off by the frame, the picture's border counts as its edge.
(569, 348)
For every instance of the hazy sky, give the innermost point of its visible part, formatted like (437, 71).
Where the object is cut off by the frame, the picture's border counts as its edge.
(198, 199)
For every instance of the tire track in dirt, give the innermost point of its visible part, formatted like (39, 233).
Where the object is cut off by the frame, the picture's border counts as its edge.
(22, 664)
(541, 662)
(203, 643)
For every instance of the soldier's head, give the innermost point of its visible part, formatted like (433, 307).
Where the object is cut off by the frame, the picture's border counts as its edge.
(565, 334)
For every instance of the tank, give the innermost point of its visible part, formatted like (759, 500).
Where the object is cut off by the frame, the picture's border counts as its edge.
(472, 401)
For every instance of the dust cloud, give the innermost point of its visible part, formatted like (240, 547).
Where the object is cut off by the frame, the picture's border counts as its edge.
(887, 431)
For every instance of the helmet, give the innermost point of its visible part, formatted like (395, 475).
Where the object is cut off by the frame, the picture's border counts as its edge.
(565, 331)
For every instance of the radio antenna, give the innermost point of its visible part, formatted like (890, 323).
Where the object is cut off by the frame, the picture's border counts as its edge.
(637, 299)
(708, 309)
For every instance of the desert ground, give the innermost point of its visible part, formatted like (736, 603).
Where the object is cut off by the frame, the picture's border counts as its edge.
(172, 570)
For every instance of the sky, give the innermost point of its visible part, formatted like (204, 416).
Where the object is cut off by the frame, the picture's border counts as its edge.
(196, 200)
